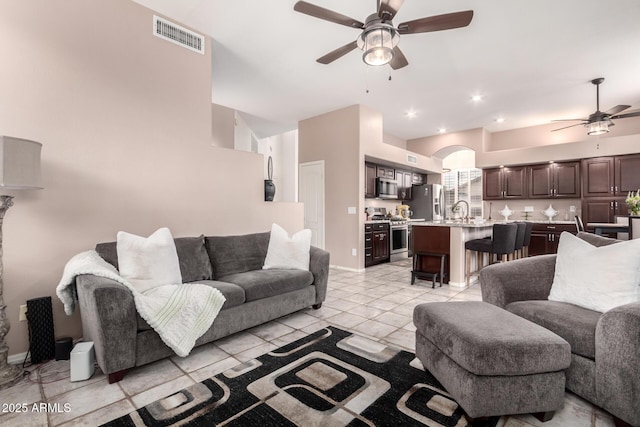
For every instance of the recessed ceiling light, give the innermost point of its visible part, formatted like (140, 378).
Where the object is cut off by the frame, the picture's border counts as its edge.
(442, 130)
(411, 114)
(500, 120)
(476, 98)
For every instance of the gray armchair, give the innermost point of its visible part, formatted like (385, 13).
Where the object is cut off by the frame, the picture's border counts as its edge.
(605, 347)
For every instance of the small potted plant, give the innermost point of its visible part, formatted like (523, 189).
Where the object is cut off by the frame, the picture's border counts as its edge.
(633, 203)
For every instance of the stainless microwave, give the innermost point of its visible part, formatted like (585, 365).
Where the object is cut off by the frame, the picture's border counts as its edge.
(386, 188)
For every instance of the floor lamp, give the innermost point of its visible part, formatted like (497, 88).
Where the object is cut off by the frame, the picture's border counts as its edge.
(19, 170)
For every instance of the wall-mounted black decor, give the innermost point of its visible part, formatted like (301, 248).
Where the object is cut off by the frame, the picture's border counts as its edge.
(269, 186)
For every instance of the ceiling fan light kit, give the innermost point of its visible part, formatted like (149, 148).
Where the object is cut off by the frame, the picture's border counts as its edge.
(378, 41)
(598, 128)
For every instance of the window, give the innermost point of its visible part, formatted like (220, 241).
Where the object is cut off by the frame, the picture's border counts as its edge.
(463, 184)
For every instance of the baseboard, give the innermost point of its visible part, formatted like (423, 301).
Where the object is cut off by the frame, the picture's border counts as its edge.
(17, 359)
(353, 270)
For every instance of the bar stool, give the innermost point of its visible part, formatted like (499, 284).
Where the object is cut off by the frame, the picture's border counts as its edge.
(527, 239)
(502, 243)
(522, 229)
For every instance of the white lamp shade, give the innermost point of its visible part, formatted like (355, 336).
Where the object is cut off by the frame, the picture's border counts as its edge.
(19, 164)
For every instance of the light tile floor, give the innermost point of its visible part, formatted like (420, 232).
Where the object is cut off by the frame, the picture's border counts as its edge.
(377, 304)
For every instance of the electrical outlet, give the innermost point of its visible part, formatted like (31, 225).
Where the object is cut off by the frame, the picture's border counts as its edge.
(354, 252)
(572, 208)
(23, 313)
(351, 210)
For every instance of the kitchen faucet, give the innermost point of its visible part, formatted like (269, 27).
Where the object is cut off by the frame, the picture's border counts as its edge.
(455, 207)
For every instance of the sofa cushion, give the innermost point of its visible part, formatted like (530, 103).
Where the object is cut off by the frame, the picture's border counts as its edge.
(237, 254)
(233, 294)
(192, 255)
(258, 284)
(194, 259)
(575, 324)
(597, 240)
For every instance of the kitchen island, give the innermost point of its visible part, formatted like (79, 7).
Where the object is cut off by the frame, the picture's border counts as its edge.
(448, 237)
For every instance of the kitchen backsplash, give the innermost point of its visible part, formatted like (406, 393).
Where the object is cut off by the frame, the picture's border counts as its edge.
(390, 205)
(563, 206)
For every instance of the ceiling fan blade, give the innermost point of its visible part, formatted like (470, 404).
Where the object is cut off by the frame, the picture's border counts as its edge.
(635, 113)
(326, 14)
(337, 53)
(570, 120)
(399, 60)
(437, 23)
(389, 8)
(567, 127)
(617, 109)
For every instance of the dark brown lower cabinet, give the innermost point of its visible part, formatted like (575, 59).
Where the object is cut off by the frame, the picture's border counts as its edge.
(546, 236)
(376, 243)
(602, 209)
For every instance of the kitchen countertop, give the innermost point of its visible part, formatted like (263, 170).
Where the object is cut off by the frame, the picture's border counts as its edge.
(451, 223)
(480, 225)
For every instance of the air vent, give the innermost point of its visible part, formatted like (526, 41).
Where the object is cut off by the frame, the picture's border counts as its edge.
(179, 35)
(412, 159)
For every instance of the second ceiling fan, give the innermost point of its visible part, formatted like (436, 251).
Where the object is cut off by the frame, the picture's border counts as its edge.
(379, 38)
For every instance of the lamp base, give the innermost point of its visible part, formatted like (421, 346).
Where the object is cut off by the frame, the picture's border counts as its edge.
(9, 374)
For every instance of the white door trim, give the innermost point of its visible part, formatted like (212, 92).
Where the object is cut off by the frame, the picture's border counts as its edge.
(320, 205)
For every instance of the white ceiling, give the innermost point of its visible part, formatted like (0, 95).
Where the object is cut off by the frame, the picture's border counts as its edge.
(531, 61)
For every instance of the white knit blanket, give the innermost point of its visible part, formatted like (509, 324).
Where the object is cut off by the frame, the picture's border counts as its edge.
(180, 314)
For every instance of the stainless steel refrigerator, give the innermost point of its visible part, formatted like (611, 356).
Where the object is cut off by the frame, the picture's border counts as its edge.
(428, 202)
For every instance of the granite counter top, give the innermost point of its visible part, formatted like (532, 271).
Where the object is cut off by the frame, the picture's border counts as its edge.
(472, 224)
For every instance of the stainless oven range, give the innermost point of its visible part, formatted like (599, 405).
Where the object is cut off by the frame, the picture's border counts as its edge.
(399, 240)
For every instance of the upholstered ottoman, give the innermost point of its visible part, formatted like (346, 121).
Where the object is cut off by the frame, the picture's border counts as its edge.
(491, 361)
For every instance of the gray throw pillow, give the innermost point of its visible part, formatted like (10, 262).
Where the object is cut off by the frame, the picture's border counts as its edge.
(596, 240)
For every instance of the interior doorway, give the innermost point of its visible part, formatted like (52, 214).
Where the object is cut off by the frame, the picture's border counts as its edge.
(311, 194)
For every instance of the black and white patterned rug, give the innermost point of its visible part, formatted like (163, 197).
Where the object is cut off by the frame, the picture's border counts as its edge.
(329, 378)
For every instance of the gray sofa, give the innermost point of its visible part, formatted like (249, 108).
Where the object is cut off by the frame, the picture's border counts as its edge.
(232, 264)
(605, 347)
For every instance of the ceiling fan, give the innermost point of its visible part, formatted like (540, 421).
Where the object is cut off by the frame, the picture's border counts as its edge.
(379, 38)
(598, 123)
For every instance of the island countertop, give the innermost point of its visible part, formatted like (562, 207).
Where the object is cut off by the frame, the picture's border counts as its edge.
(473, 224)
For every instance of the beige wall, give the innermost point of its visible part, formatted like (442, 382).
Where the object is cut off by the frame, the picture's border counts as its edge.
(535, 136)
(334, 137)
(373, 146)
(441, 146)
(222, 126)
(394, 140)
(126, 144)
(533, 144)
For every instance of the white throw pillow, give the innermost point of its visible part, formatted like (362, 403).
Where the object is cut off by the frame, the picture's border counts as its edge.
(148, 262)
(288, 252)
(598, 278)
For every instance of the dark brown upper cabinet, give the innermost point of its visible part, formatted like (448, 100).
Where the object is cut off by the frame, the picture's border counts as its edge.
(554, 180)
(370, 180)
(610, 176)
(504, 183)
(386, 172)
(627, 174)
(597, 177)
(405, 181)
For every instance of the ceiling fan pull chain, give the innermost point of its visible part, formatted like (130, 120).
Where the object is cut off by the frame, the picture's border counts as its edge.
(366, 80)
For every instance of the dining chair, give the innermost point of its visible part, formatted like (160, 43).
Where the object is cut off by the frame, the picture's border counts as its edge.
(634, 227)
